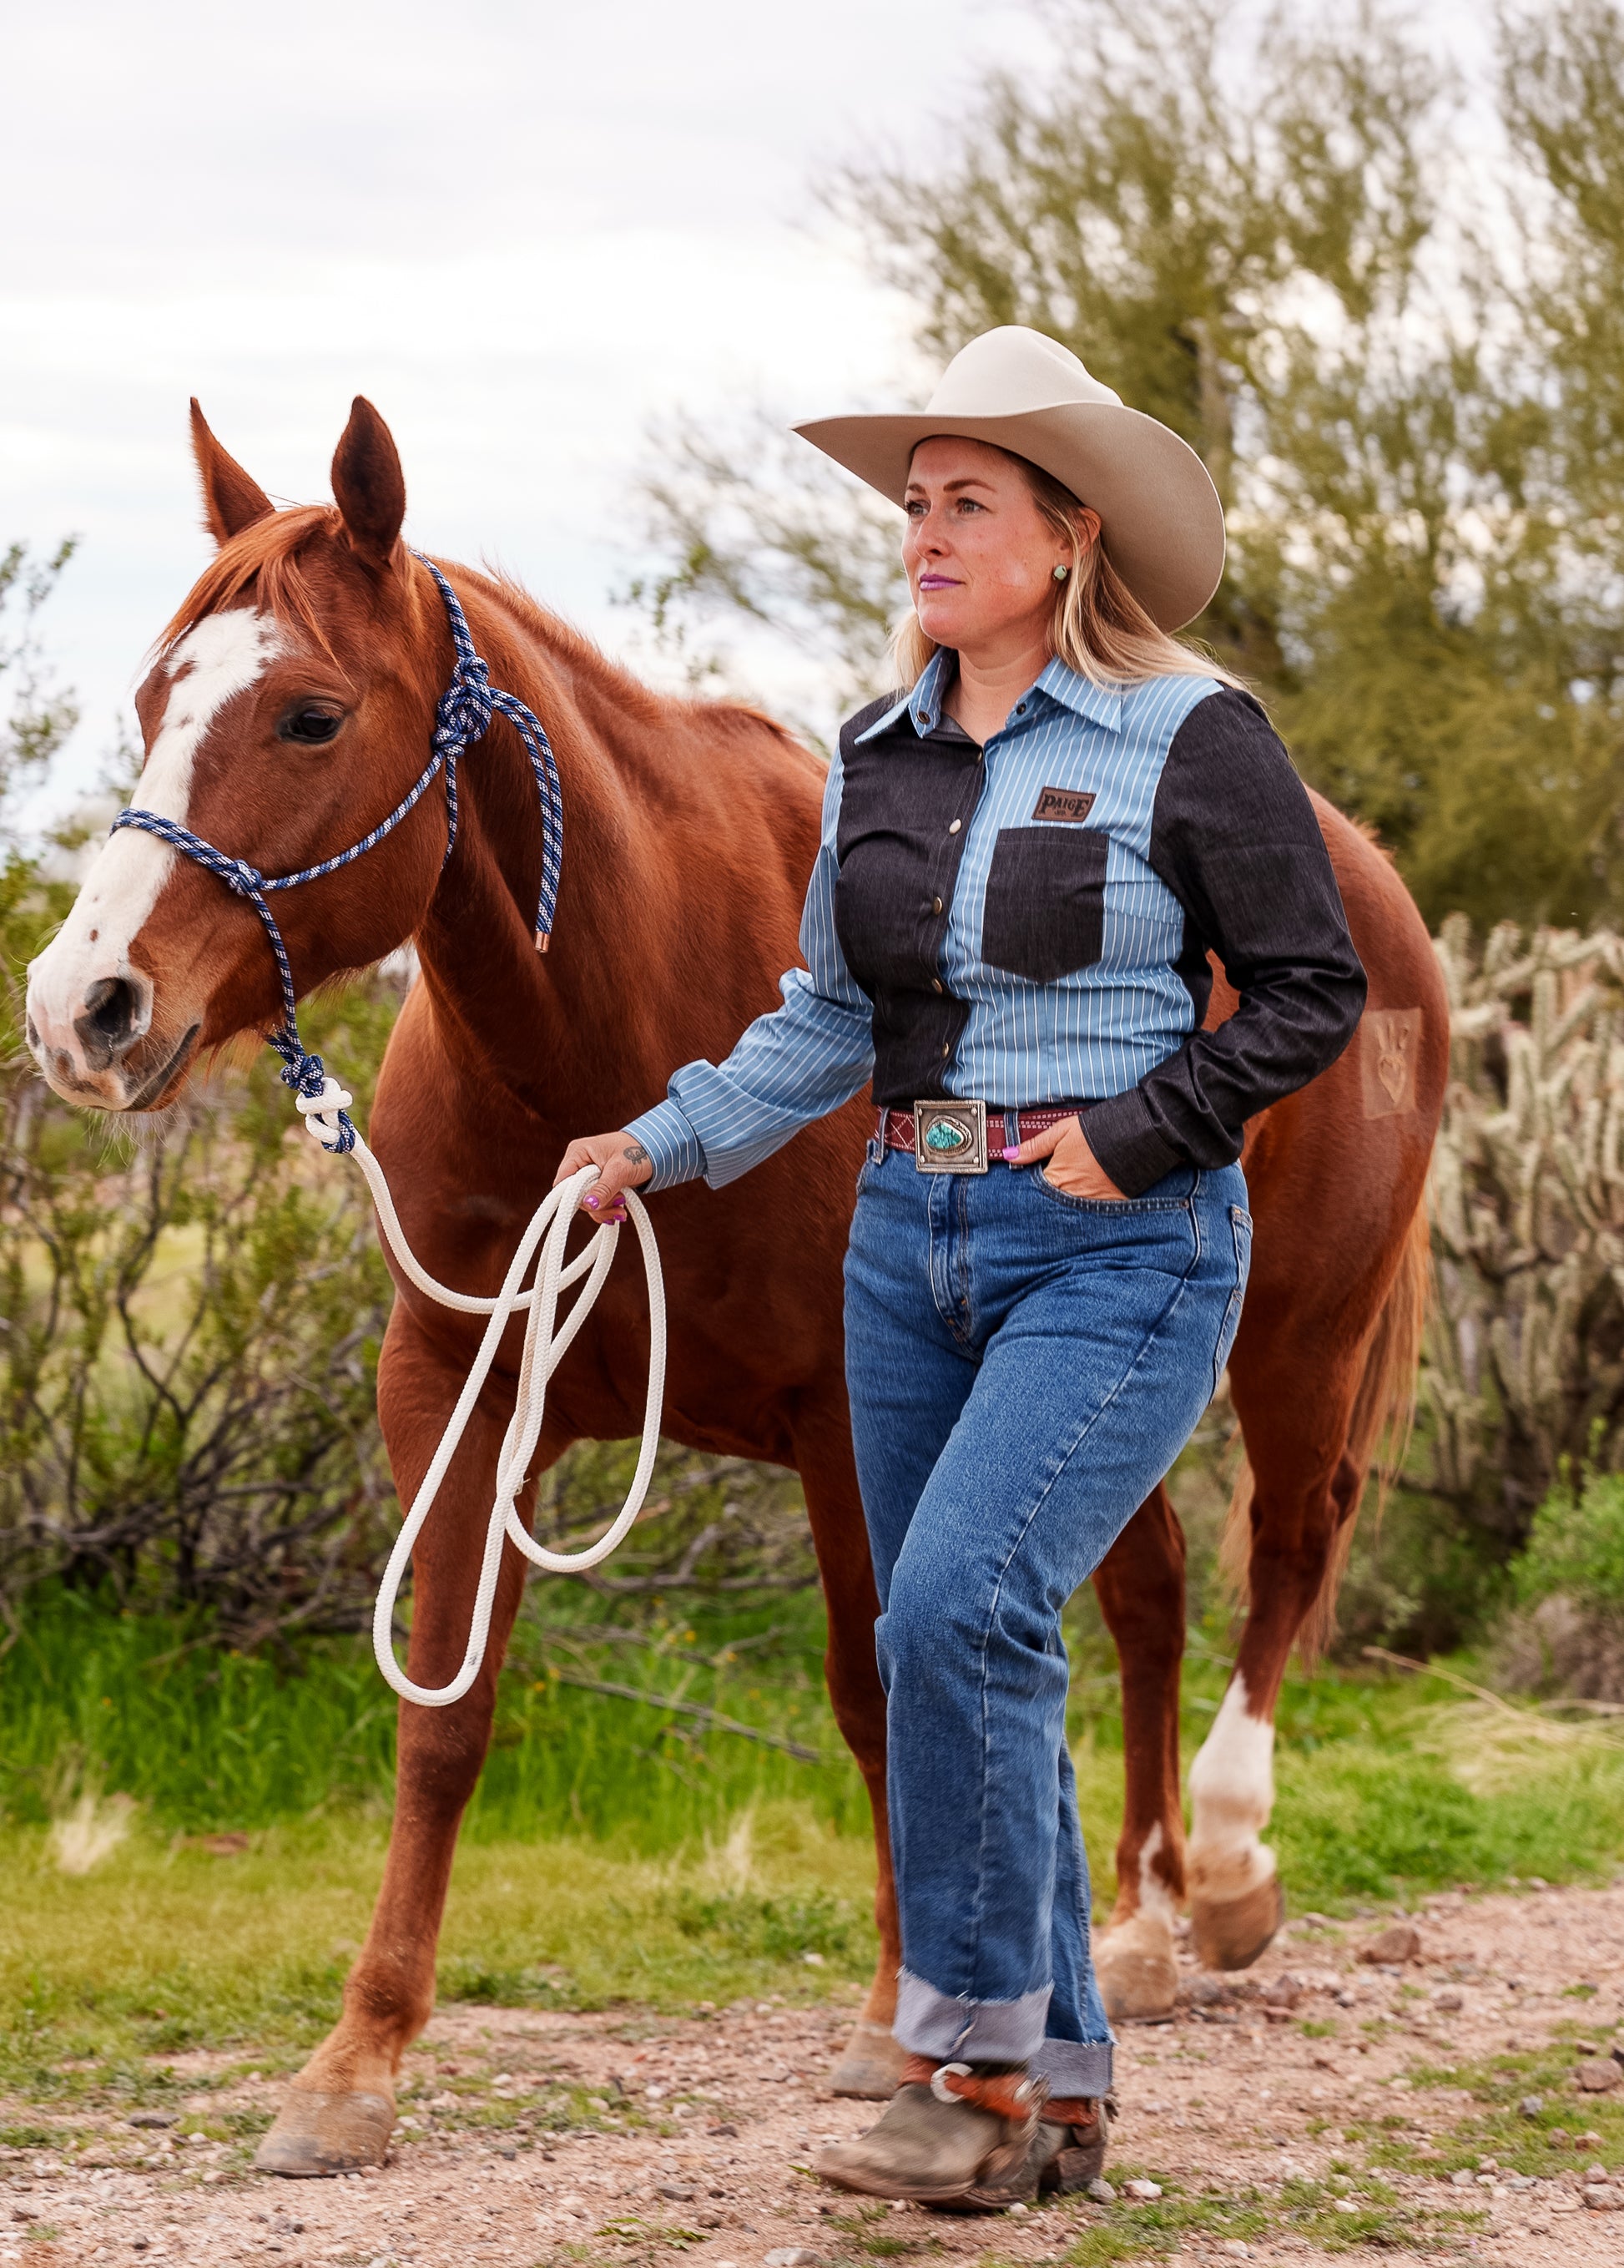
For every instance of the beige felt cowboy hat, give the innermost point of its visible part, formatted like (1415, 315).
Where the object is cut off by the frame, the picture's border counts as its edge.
(1160, 519)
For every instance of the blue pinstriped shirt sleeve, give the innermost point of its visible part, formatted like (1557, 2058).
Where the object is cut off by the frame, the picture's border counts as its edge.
(796, 1065)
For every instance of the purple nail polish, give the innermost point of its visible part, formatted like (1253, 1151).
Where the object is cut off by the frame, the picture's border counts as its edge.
(593, 1203)
(1009, 1156)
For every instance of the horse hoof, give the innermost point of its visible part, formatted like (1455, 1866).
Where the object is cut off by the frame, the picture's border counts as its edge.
(1230, 1932)
(1137, 1970)
(317, 2136)
(871, 2063)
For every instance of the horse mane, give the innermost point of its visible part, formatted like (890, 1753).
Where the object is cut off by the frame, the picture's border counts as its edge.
(576, 649)
(265, 553)
(267, 557)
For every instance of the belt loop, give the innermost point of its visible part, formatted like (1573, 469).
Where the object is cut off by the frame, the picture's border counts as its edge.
(1011, 1129)
(884, 1128)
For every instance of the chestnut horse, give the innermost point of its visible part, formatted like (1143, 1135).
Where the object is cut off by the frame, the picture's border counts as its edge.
(289, 709)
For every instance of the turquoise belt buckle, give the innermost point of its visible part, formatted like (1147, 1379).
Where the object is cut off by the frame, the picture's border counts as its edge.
(950, 1137)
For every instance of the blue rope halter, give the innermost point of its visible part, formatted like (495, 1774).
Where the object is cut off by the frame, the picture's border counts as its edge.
(464, 713)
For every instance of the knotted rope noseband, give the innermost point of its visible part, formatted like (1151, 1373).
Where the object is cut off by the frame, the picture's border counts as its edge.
(464, 713)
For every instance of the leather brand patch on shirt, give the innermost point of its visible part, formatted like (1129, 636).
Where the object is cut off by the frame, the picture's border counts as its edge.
(1066, 803)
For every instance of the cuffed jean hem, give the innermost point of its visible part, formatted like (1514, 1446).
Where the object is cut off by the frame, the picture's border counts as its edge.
(1075, 2066)
(927, 2023)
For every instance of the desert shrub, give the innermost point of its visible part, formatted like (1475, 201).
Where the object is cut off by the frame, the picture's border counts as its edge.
(1565, 1631)
(189, 1323)
(1576, 1545)
(190, 1318)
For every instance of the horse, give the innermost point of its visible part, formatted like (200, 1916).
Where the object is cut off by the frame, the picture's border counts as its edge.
(290, 706)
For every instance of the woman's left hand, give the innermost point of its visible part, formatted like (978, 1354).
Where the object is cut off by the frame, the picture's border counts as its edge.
(1062, 1150)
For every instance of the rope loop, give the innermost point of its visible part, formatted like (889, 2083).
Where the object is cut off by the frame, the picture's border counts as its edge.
(316, 1096)
(540, 1255)
(465, 707)
(323, 1112)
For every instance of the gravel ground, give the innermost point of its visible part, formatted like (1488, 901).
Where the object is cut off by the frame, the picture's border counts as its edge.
(1320, 2109)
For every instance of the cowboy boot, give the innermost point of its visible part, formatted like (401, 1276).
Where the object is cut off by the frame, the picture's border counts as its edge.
(1071, 2140)
(1066, 2151)
(954, 2135)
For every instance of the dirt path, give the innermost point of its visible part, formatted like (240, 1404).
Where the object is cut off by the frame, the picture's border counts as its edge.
(1351, 2122)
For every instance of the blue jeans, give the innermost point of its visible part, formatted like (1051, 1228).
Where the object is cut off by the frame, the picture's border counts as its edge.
(1024, 1368)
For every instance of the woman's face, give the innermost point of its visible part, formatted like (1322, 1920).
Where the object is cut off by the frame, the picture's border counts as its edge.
(980, 558)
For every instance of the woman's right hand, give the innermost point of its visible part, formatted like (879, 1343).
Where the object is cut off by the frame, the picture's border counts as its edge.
(623, 1163)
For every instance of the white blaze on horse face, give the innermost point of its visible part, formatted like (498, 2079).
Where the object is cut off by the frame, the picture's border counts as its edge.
(217, 659)
(1231, 1794)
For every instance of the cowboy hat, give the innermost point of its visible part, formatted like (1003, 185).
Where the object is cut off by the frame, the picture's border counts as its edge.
(1160, 519)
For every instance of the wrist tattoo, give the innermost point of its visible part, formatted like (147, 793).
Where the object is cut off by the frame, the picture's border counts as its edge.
(636, 1155)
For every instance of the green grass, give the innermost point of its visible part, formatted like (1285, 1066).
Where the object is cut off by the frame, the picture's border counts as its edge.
(207, 1740)
(1374, 1801)
(596, 1865)
(1542, 2144)
(1158, 2227)
(161, 1949)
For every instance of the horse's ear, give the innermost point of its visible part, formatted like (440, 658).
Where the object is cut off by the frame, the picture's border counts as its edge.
(368, 484)
(232, 500)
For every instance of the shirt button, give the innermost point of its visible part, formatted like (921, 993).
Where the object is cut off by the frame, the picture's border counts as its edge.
(1020, 708)
(935, 905)
(953, 826)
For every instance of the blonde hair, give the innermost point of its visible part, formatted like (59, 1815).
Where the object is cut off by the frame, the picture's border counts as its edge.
(1099, 628)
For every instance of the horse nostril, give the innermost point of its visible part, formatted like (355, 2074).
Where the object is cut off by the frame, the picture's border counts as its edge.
(108, 1025)
(110, 1005)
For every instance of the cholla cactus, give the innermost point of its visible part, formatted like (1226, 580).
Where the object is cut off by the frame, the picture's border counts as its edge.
(1525, 1357)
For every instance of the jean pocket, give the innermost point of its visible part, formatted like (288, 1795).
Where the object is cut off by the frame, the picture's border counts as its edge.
(1240, 1228)
(1044, 912)
(1108, 1205)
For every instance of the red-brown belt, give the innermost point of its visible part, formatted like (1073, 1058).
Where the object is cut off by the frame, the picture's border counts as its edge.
(895, 1128)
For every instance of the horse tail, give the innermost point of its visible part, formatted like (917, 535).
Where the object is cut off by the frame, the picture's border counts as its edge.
(1383, 1410)
(1378, 1432)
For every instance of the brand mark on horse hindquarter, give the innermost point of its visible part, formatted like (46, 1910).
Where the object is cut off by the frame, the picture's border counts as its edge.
(1389, 1042)
(1065, 803)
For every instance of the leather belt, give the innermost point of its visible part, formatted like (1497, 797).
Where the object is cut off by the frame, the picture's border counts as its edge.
(984, 1126)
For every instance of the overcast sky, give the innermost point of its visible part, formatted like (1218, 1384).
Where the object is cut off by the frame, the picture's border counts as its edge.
(522, 230)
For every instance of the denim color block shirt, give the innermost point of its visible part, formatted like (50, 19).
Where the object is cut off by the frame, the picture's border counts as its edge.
(1028, 922)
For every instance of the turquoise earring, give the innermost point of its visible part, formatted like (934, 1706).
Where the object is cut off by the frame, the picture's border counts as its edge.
(1061, 574)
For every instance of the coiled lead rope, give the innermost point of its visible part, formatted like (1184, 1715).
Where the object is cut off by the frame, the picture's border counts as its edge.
(545, 1341)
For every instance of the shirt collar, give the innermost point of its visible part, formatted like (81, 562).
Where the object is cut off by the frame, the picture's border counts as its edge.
(1078, 694)
(1061, 684)
(924, 704)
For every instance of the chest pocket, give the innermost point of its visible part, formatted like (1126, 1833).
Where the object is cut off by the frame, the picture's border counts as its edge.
(1045, 910)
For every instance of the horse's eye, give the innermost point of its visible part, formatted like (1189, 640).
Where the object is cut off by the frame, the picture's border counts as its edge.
(311, 726)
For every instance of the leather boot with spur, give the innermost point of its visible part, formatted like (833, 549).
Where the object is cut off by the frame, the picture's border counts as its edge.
(1069, 2148)
(1066, 2151)
(956, 2136)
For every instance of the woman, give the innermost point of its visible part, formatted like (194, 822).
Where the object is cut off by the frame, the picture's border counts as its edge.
(1025, 858)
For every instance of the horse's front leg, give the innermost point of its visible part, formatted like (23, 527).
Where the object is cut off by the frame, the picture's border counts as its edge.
(339, 2112)
(1140, 1589)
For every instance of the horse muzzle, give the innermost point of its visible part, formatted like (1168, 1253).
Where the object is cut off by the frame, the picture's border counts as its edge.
(95, 1041)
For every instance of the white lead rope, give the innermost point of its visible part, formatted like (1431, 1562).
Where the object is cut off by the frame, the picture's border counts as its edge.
(546, 1343)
